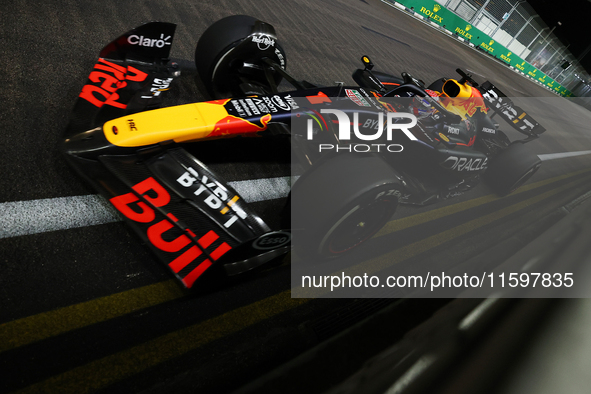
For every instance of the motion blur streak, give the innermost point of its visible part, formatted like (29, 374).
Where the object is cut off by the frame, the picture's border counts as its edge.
(44, 325)
(108, 370)
(388, 260)
(415, 220)
(416, 248)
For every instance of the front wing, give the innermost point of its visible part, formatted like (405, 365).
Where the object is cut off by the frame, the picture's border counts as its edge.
(188, 216)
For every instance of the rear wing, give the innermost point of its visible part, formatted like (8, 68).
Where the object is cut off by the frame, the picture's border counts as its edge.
(130, 76)
(513, 114)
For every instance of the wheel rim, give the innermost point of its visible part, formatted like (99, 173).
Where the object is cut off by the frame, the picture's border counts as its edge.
(357, 226)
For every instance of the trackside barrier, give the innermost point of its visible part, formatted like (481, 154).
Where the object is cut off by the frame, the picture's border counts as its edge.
(440, 16)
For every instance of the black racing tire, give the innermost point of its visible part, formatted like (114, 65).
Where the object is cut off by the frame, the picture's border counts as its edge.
(511, 168)
(216, 43)
(502, 139)
(341, 204)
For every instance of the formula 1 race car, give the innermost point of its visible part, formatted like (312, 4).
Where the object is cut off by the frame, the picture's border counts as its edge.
(132, 151)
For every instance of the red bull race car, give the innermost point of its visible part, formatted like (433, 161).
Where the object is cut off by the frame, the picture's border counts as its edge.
(439, 142)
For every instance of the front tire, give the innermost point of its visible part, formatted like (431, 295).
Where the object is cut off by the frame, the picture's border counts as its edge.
(341, 204)
(223, 55)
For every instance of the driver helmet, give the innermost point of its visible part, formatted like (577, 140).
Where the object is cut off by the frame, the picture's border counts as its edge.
(421, 108)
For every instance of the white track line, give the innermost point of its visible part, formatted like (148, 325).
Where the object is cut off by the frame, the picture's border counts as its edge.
(38, 216)
(262, 189)
(553, 156)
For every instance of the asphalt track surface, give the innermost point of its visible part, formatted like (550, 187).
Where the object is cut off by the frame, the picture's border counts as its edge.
(86, 308)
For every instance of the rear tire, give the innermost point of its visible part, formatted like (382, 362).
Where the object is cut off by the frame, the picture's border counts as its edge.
(511, 168)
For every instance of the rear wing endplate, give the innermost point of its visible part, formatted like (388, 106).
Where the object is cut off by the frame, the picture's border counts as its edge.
(513, 114)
